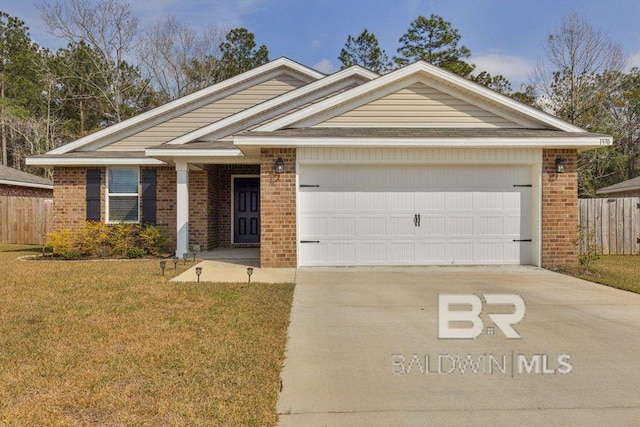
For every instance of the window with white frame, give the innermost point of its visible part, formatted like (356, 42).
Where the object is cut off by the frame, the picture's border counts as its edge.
(123, 195)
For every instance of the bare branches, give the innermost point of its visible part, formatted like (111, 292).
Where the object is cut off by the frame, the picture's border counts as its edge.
(169, 50)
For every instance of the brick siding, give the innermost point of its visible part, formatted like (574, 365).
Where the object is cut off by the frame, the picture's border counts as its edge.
(69, 197)
(20, 191)
(278, 238)
(559, 210)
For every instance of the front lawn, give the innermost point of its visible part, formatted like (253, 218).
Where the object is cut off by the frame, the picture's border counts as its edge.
(618, 271)
(115, 343)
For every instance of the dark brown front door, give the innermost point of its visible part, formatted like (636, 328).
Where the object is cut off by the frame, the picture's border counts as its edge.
(246, 210)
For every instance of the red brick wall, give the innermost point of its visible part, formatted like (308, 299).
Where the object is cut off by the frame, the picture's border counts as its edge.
(278, 209)
(166, 202)
(213, 197)
(198, 209)
(20, 191)
(559, 210)
(69, 197)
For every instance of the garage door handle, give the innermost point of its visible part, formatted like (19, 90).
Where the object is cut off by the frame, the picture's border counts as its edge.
(418, 220)
(309, 241)
(415, 220)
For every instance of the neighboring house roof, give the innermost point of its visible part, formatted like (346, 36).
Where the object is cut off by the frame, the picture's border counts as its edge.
(10, 176)
(632, 184)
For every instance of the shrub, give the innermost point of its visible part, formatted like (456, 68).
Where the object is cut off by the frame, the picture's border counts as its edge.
(588, 248)
(101, 240)
(61, 241)
(153, 240)
(136, 253)
(71, 255)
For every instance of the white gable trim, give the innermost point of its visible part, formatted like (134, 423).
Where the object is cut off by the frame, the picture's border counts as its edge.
(434, 75)
(278, 105)
(249, 143)
(92, 161)
(178, 106)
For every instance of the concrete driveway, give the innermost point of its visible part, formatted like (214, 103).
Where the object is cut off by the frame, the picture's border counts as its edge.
(360, 338)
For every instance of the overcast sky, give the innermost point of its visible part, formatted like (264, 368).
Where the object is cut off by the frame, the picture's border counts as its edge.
(504, 36)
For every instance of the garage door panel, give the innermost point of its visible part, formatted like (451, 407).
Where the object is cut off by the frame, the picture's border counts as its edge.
(341, 253)
(432, 252)
(400, 226)
(459, 225)
(364, 215)
(431, 225)
(400, 252)
(371, 226)
(342, 226)
(429, 201)
(459, 252)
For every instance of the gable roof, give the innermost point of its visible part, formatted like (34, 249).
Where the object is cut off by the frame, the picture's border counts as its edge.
(433, 76)
(628, 185)
(187, 103)
(278, 105)
(10, 176)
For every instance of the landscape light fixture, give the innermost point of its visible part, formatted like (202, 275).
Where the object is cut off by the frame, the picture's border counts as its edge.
(560, 162)
(279, 165)
(175, 262)
(163, 265)
(185, 256)
(198, 272)
(249, 273)
(194, 252)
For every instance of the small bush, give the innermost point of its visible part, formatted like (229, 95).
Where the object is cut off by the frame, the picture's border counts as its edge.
(71, 255)
(61, 241)
(136, 253)
(101, 240)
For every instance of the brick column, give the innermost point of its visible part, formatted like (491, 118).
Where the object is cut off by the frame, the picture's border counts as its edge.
(559, 210)
(278, 237)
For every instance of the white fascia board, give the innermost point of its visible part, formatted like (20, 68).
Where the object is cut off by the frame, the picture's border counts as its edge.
(25, 184)
(421, 67)
(274, 103)
(164, 152)
(586, 142)
(186, 100)
(88, 161)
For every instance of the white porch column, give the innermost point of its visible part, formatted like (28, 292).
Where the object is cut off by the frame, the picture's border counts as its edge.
(182, 208)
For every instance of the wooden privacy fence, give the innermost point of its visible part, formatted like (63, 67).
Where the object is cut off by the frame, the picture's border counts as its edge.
(615, 224)
(25, 220)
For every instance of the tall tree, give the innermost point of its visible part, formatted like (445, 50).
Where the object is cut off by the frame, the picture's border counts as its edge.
(365, 51)
(168, 52)
(109, 28)
(497, 82)
(570, 78)
(239, 53)
(19, 83)
(582, 67)
(435, 41)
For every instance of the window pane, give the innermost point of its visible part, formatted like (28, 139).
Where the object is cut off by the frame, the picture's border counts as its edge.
(123, 181)
(123, 209)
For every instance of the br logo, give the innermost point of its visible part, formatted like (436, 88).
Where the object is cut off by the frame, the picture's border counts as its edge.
(465, 323)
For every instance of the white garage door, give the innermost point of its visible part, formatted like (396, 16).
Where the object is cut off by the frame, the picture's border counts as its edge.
(414, 215)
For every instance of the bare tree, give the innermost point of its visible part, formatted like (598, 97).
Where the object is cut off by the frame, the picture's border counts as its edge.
(110, 29)
(581, 64)
(169, 51)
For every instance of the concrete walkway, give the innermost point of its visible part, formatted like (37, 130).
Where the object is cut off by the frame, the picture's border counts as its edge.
(363, 350)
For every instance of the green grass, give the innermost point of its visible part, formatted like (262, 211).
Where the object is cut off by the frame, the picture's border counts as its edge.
(115, 343)
(618, 271)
